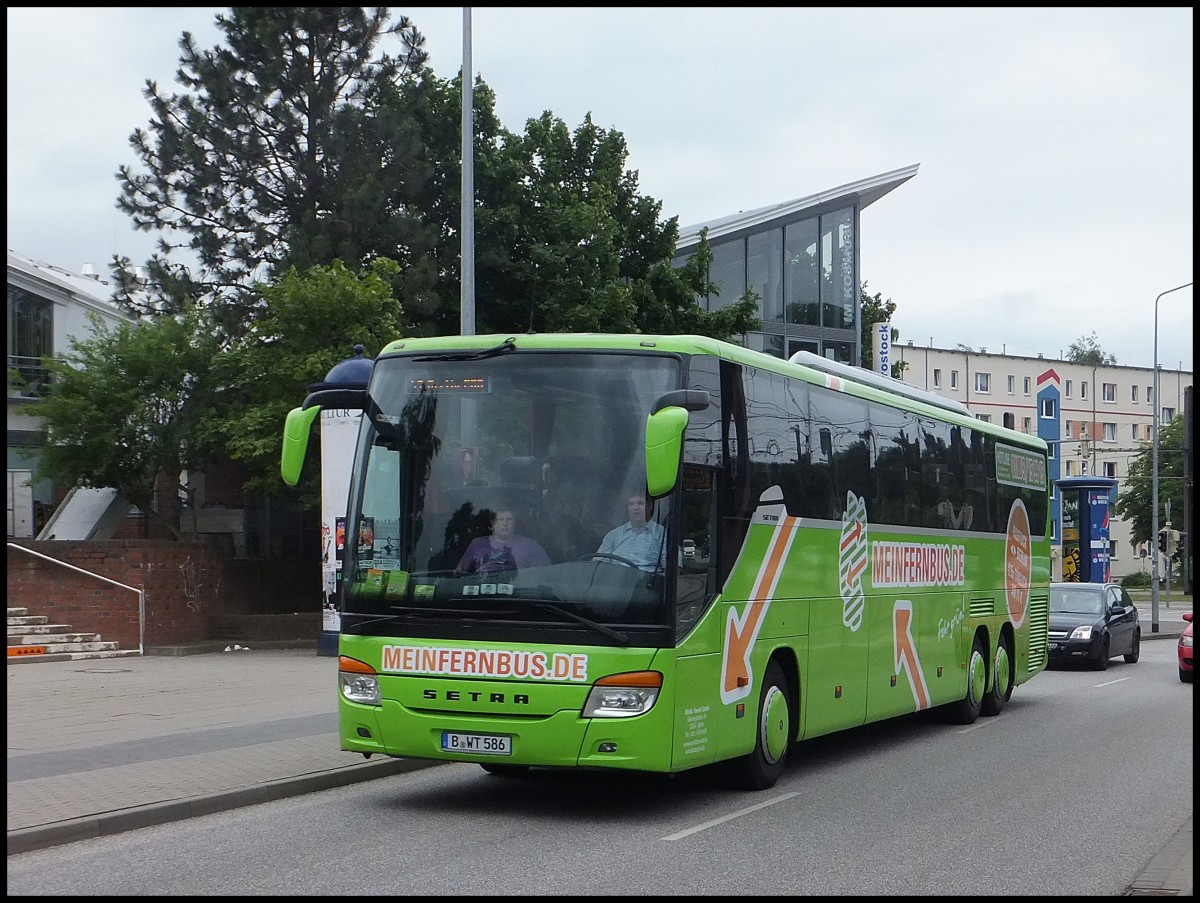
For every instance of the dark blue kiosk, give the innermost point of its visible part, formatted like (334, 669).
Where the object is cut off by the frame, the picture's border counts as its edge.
(1085, 503)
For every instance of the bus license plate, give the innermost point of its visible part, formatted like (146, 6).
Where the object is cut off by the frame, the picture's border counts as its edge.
(478, 744)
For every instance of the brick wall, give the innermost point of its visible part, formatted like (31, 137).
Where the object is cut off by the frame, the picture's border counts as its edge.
(187, 587)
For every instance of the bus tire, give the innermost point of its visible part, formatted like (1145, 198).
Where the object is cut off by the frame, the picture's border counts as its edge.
(967, 709)
(503, 771)
(772, 735)
(1002, 679)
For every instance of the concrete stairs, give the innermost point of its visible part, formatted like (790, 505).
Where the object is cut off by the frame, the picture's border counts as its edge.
(32, 638)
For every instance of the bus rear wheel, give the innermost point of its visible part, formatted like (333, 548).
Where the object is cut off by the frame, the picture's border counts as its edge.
(772, 736)
(967, 709)
(1002, 679)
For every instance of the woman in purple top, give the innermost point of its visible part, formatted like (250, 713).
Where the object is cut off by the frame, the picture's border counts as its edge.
(503, 550)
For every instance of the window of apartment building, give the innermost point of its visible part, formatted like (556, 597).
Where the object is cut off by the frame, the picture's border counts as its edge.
(1133, 427)
(1068, 426)
(986, 418)
(1026, 424)
(1069, 391)
(1108, 392)
(1134, 397)
(1052, 453)
(1053, 524)
(1110, 469)
(953, 379)
(1012, 385)
(937, 378)
(983, 383)
(1083, 389)
(1168, 414)
(1070, 467)
(1026, 382)
(1083, 468)
(1112, 549)
(1149, 394)
(1049, 409)
(1010, 420)
(1110, 432)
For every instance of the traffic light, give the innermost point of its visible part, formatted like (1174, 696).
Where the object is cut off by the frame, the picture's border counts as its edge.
(1162, 541)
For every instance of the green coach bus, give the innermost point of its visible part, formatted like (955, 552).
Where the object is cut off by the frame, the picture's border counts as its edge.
(856, 550)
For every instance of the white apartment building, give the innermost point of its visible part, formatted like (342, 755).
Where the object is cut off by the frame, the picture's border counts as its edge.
(1096, 419)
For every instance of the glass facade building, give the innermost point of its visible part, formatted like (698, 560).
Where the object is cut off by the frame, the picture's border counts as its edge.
(802, 259)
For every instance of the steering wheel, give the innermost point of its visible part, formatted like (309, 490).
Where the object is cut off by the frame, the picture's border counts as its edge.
(610, 556)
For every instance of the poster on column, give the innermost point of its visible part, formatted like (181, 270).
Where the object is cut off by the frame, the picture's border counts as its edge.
(1098, 506)
(339, 435)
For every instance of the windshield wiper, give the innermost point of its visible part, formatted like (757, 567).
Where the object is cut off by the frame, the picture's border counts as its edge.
(587, 622)
(504, 347)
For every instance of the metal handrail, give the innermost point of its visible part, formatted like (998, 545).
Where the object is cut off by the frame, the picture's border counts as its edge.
(141, 593)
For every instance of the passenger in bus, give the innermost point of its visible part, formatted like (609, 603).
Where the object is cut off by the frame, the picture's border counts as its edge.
(503, 550)
(639, 540)
(468, 465)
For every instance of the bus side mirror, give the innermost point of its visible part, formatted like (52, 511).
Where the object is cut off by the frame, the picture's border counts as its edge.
(296, 430)
(664, 447)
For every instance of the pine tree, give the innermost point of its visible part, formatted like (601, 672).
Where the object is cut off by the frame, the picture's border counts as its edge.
(246, 167)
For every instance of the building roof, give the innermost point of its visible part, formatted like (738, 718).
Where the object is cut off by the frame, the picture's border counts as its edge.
(865, 192)
(90, 291)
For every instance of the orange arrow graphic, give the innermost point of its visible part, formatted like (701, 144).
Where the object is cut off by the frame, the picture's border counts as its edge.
(906, 652)
(741, 632)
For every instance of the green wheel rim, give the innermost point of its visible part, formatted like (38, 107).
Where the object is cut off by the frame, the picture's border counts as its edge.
(1003, 671)
(976, 677)
(774, 725)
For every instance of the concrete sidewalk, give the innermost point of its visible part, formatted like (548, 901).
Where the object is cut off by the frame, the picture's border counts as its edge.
(101, 746)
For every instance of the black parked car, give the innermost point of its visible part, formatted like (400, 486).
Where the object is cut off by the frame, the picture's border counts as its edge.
(1092, 622)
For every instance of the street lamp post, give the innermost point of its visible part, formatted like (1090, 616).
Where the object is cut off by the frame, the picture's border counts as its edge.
(1154, 475)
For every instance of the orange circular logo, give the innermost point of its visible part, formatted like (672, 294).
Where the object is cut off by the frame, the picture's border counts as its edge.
(1018, 562)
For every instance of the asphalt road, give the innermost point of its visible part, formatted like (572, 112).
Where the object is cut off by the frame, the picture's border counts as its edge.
(1073, 789)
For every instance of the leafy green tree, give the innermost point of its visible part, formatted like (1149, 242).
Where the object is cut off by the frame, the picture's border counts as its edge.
(1135, 494)
(563, 239)
(876, 310)
(128, 404)
(310, 322)
(1086, 350)
(250, 163)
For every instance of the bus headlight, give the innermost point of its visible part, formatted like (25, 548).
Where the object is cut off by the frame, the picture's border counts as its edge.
(623, 695)
(358, 681)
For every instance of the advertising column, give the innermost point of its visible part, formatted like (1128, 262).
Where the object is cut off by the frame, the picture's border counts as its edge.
(339, 434)
(1085, 538)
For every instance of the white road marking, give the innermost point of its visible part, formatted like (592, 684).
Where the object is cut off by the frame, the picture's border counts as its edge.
(732, 815)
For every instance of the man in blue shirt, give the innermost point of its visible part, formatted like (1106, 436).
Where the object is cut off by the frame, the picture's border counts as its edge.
(639, 540)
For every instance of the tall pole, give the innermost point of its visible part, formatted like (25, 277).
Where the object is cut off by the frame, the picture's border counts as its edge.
(467, 227)
(1154, 475)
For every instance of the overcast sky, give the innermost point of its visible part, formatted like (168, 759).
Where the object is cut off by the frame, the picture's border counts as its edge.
(1055, 191)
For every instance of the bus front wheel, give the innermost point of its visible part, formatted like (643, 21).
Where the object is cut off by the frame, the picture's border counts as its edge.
(773, 734)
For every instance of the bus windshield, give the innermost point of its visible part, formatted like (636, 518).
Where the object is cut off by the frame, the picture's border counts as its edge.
(485, 490)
